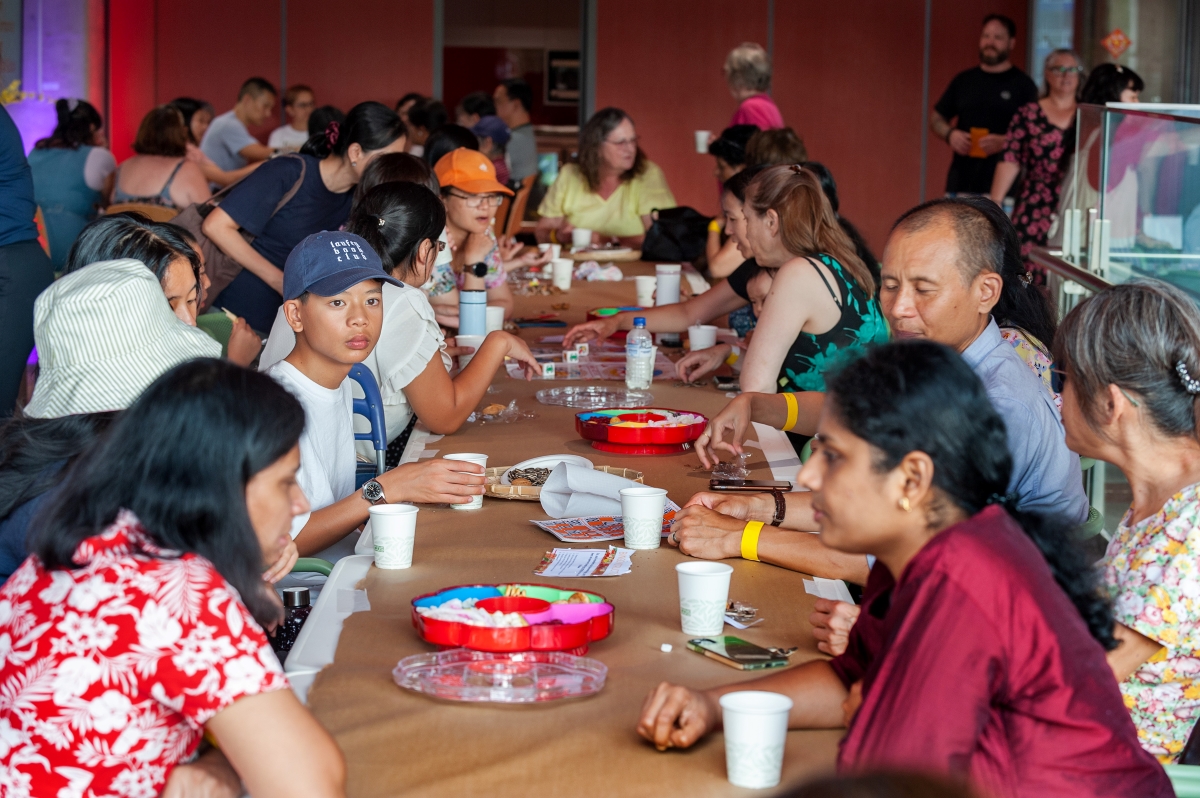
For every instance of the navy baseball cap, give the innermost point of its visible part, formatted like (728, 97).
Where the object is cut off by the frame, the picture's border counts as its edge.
(492, 127)
(327, 263)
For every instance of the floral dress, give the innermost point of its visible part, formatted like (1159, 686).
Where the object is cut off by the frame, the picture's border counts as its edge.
(1036, 146)
(109, 672)
(861, 325)
(1152, 571)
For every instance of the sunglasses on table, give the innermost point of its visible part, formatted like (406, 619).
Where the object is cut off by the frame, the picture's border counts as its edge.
(479, 200)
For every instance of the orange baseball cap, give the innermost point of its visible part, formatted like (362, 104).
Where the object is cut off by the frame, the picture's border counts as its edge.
(469, 171)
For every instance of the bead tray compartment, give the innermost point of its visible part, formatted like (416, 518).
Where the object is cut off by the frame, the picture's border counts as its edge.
(604, 428)
(552, 627)
(517, 678)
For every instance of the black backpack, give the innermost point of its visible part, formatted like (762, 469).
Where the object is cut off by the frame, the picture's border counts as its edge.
(677, 234)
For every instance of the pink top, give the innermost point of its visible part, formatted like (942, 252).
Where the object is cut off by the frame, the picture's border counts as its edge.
(759, 110)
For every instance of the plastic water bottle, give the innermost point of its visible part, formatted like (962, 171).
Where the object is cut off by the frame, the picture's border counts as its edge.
(639, 357)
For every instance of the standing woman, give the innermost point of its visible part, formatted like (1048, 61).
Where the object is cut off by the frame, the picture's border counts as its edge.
(1038, 139)
(72, 174)
(323, 175)
(1131, 359)
(611, 191)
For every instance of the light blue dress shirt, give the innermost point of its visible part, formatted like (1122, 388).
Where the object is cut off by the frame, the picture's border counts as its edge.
(1046, 475)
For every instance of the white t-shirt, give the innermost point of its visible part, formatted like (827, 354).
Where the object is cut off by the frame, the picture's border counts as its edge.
(409, 340)
(287, 138)
(327, 461)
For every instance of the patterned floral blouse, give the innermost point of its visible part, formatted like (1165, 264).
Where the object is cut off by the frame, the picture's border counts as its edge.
(1030, 350)
(861, 325)
(443, 279)
(109, 672)
(1152, 570)
(1036, 146)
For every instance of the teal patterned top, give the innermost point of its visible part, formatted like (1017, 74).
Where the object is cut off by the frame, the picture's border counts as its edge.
(861, 325)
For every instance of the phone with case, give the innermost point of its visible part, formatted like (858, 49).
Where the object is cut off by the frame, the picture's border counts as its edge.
(736, 653)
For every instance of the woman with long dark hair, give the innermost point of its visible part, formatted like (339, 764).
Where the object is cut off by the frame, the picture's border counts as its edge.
(72, 174)
(981, 649)
(611, 191)
(197, 116)
(320, 181)
(144, 603)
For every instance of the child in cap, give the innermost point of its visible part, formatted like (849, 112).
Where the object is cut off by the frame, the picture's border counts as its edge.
(333, 301)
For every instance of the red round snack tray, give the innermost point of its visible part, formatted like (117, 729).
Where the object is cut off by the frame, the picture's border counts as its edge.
(596, 425)
(555, 636)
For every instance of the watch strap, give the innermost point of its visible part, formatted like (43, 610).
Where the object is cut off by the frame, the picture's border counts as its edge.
(780, 508)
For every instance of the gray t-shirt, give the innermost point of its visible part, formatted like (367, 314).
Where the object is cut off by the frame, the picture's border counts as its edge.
(225, 139)
(522, 153)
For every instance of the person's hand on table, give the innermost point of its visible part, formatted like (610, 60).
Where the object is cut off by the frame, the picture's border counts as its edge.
(831, 624)
(457, 351)
(727, 430)
(702, 362)
(509, 246)
(676, 717)
(433, 482)
(712, 534)
(992, 143)
(519, 351)
(283, 566)
(244, 344)
(959, 141)
(210, 776)
(594, 330)
(446, 315)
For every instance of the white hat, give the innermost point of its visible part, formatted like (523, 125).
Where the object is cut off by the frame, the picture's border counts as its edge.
(103, 334)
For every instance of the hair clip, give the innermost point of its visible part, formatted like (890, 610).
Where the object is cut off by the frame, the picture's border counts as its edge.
(796, 168)
(1190, 385)
(381, 221)
(331, 133)
(1026, 279)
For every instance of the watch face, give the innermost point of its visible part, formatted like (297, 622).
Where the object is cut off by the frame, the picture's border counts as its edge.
(372, 491)
(480, 269)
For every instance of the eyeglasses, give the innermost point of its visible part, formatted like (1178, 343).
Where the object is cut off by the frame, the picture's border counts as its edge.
(479, 200)
(1065, 70)
(633, 142)
(1058, 381)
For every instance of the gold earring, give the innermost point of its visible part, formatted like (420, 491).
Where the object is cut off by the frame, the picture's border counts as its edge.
(904, 505)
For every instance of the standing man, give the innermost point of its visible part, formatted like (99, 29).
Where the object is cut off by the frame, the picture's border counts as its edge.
(981, 102)
(228, 142)
(514, 99)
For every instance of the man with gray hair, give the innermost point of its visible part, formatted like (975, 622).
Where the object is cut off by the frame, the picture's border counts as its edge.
(748, 73)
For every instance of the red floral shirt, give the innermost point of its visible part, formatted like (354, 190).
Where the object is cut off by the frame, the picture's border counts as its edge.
(109, 672)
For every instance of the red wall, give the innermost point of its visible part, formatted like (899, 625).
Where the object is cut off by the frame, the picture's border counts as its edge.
(130, 71)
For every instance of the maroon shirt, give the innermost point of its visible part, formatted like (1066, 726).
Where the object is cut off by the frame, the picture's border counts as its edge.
(978, 664)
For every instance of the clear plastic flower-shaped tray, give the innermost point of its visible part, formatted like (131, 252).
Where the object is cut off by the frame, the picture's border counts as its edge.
(593, 397)
(526, 677)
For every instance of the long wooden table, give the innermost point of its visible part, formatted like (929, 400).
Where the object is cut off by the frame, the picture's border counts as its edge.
(396, 742)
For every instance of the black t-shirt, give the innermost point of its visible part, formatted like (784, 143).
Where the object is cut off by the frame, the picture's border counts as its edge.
(741, 276)
(985, 100)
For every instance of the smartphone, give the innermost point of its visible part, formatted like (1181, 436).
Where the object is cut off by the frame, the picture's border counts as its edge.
(736, 653)
(752, 485)
(729, 383)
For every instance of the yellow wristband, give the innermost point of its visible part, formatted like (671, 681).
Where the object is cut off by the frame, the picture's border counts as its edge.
(793, 412)
(733, 358)
(714, 226)
(750, 540)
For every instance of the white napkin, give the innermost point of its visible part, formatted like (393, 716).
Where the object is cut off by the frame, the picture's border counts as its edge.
(574, 492)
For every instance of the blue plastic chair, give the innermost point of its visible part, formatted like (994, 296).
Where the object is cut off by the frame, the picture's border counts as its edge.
(372, 409)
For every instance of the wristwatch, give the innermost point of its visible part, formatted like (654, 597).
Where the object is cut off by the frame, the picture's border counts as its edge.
(479, 269)
(372, 491)
(780, 508)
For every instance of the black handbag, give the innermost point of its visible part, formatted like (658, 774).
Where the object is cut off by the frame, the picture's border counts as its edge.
(677, 234)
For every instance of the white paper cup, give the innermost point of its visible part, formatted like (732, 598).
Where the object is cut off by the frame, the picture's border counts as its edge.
(702, 141)
(646, 283)
(703, 595)
(393, 531)
(581, 237)
(702, 336)
(668, 275)
(495, 318)
(470, 457)
(468, 340)
(563, 269)
(642, 516)
(755, 733)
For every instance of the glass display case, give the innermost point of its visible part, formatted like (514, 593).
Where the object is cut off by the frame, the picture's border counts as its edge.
(1130, 200)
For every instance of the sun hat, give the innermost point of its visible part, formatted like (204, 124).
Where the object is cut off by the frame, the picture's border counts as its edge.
(103, 334)
(469, 171)
(327, 263)
(492, 127)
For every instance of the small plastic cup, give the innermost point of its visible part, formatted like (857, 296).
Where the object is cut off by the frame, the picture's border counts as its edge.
(470, 457)
(393, 532)
(642, 516)
(581, 238)
(703, 596)
(646, 283)
(469, 340)
(495, 318)
(702, 336)
(555, 250)
(702, 141)
(756, 725)
(564, 268)
(668, 275)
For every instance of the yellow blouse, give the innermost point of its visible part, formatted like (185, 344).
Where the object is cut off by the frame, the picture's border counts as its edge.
(619, 215)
